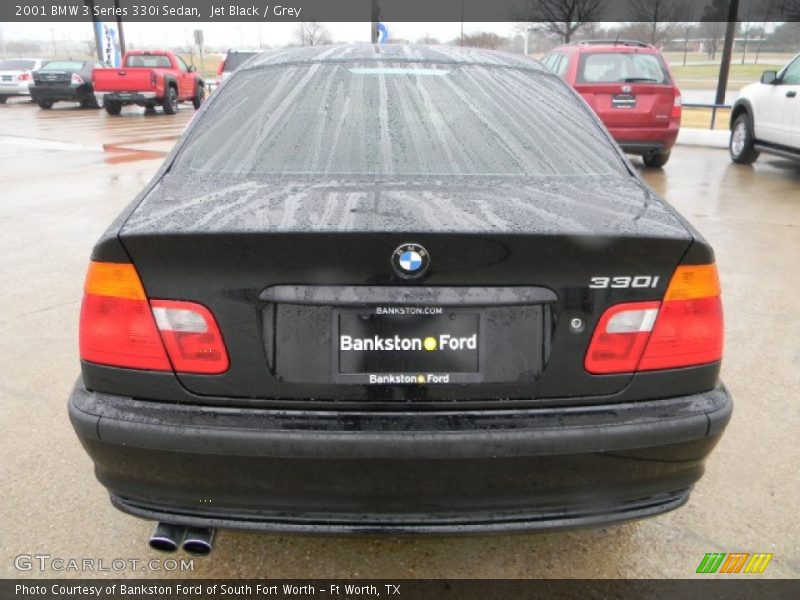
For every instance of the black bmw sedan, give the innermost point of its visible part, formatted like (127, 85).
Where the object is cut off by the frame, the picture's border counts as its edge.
(397, 289)
(65, 80)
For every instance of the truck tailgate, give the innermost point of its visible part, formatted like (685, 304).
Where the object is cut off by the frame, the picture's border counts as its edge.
(125, 79)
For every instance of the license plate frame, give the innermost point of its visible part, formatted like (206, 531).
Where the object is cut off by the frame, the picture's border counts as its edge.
(462, 365)
(623, 101)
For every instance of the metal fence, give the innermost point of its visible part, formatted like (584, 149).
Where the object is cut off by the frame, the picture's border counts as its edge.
(713, 107)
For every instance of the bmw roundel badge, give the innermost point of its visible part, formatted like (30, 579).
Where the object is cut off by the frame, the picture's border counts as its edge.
(410, 260)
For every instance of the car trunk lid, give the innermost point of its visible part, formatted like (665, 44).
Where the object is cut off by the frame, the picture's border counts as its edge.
(287, 267)
(55, 78)
(630, 105)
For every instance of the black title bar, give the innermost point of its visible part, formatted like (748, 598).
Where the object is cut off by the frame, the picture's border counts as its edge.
(711, 588)
(200, 11)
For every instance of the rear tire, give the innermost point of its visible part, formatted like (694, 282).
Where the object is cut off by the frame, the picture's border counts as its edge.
(741, 145)
(199, 96)
(170, 103)
(112, 107)
(90, 102)
(3, 99)
(656, 160)
(45, 105)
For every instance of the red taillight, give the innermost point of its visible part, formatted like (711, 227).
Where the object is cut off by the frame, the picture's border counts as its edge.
(684, 330)
(117, 327)
(677, 106)
(24, 76)
(221, 68)
(76, 79)
(152, 79)
(120, 328)
(191, 336)
(687, 332)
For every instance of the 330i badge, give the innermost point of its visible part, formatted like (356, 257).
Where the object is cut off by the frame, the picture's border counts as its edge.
(397, 289)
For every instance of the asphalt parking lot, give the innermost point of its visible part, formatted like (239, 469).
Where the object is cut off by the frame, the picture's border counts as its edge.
(66, 173)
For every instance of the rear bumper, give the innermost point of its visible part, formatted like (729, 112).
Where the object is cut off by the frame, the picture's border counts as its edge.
(434, 472)
(65, 92)
(14, 88)
(645, 140)
(130, 96)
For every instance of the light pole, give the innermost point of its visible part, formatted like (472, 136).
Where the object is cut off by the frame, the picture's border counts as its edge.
(727, 51)
(375, 18)
(120, 31)
(525, 39)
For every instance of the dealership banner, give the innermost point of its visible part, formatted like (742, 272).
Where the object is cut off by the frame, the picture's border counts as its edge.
(380, 10)
(421, 589)
(108, 35)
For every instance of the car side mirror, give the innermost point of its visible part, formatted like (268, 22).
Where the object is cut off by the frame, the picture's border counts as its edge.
(769, 77)
(192, 68)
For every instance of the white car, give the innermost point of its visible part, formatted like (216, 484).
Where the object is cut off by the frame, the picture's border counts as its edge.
(16, 76)
(766, 116)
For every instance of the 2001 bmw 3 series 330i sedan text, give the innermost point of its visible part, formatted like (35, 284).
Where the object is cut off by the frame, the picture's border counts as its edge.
(398, 289)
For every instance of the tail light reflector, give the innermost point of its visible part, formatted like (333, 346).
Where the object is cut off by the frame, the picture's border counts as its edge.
(119, 327)
(26, 76)
(677, 108)
(191, 337)
(221, 67)
(76, 79)
(685, 329)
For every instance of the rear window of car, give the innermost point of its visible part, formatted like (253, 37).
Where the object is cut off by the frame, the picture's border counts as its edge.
(397, 119)
(17, 65)
(63, 65)
(622, 67)
(234, 60)
(151, 61)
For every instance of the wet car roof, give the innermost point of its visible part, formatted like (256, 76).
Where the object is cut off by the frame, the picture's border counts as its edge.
(395, 52)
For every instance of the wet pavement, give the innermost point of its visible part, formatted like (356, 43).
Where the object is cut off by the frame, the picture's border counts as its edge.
(65, 175)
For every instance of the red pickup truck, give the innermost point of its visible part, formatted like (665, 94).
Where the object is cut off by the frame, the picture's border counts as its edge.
(148, 78)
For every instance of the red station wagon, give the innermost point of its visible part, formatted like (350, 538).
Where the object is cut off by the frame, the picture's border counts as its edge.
(630, 87)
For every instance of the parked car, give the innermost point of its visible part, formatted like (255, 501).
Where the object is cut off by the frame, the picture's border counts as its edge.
(16, 76)
(397, 289)
(232, 61)
(766, 116)
(149, 78)
(68, 80)
(630, 87)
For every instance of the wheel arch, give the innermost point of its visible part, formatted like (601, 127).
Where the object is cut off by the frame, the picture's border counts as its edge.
(170, 81)
(740, 107)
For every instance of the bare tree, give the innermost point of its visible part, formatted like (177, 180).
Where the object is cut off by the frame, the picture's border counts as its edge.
(430, 40)
(484, 39)
(791, 10)
(661, 17)
(713, 24)
(312, 33)
(560, 17)
(687, 29)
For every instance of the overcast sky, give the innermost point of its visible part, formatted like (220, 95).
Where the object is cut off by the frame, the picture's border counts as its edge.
(240, 34)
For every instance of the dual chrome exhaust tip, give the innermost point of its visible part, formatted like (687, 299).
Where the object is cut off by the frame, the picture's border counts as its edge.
(194, 540)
